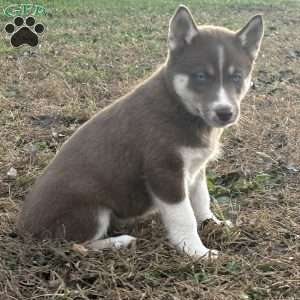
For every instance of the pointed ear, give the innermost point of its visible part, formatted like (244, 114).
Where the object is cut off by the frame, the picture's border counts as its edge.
(182, 28)
(251, 35)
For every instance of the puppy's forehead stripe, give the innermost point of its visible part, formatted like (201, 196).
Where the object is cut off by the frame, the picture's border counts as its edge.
(221, 62)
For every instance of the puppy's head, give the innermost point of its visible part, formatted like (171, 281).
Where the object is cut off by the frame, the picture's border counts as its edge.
(209, 67)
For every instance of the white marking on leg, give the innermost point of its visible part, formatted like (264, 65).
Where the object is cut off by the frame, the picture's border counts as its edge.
(181, 225)
(200, 200)
(112, 242)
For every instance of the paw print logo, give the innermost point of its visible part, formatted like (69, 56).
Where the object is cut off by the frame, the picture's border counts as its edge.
(22, 33)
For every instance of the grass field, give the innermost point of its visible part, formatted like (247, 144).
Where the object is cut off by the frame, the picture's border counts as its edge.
(93, 52)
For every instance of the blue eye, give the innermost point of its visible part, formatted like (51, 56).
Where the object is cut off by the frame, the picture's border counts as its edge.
(236, 78)
(200, 77)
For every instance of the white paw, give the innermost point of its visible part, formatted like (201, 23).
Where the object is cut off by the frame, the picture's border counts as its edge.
(203, 253)
(211, 254)
(228, 223)
(219, 222)
(123, 241)
(197, 250)
(112, 242)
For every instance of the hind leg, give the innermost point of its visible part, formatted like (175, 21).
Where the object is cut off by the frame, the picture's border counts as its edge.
(112, 242)
(98, 243)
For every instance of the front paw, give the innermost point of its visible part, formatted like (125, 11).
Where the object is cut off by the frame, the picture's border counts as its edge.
(211, 254)
(198, 251)
(227, 223)
(208, 254)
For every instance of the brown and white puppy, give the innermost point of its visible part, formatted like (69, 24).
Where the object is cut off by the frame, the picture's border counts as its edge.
(149, 149)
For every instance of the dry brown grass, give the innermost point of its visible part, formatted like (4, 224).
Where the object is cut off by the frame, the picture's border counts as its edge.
(46, 93)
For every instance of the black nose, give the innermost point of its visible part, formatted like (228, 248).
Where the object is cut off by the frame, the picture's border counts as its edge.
(224, 114)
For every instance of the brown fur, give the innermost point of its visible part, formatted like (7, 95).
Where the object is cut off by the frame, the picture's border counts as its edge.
(108, 161)
(112, 160)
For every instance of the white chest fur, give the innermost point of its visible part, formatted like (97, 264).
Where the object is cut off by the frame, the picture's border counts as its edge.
(194, 159)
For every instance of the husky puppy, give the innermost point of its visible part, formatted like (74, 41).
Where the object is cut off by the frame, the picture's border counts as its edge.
(149, 149)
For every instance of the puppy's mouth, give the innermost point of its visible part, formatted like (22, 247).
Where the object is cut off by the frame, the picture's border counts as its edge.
(221, 123)
(212, 120)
